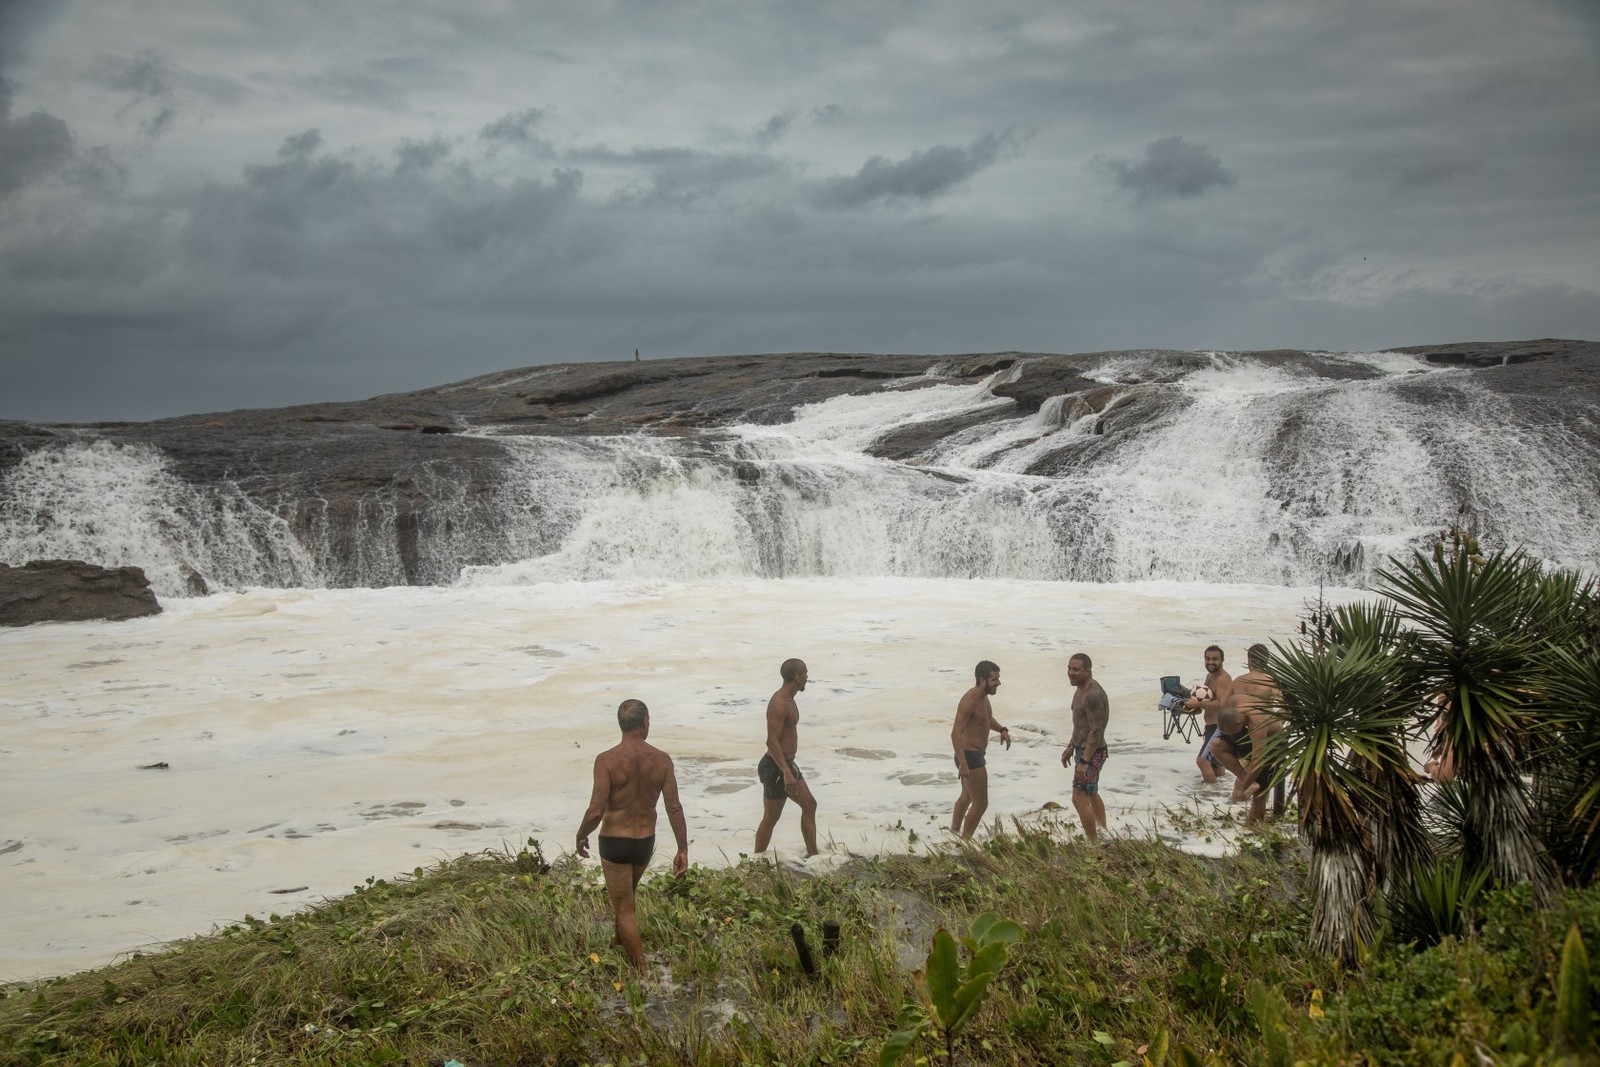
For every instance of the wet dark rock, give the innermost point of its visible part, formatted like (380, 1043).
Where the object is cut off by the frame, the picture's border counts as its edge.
(432, 466)
(69, 590)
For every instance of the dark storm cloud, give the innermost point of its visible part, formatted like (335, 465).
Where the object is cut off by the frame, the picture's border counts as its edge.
(674, 175)
(314, 218)
(773, 130)
(157, 86)
(19, 19)
(31, 146)
(39, 146)
(920, 176)
(517, 129)
(420, 155)
(498, 185)
(1172, 168)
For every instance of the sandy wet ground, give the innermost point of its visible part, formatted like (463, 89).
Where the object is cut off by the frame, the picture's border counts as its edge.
(259, 751)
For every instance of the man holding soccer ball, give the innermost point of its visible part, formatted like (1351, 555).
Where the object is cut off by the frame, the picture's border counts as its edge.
(1211, 696)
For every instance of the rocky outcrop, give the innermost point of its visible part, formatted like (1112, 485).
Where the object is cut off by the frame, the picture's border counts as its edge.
(408, 488)
(69, 590)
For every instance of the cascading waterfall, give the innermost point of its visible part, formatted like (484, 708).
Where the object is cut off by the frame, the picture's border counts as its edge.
(1238, 470)
(120, 505)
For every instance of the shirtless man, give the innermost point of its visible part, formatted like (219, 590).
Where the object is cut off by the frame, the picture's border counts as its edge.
(1220, 682)
(1087, 748)
(780, 776)
(1255, 698)
(970, 738)
(628, 780)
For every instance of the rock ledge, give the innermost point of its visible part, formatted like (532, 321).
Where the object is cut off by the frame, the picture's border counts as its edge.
(70, 590)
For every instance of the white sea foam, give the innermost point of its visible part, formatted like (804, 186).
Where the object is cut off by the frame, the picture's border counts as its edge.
(314, 738)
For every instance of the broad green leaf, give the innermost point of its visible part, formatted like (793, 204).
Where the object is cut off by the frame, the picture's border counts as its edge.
(896, 1046)
(943, 976)
(967, 1000)
(987, 960)
(1572, 995)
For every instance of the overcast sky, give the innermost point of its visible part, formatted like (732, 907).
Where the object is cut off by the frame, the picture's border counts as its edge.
(213, 204)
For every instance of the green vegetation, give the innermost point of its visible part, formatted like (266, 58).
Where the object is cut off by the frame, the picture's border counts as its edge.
(1124, 951)
(952, 992)
(1493, 663)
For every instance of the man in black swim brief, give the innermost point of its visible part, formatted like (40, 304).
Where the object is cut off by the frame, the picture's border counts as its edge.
(976, 760)
(634, 851)
(782, 781)
(629, 780)
(969, 739)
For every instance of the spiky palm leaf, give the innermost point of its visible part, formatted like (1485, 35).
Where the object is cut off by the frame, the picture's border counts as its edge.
(1568, 784)
(1342, 713)
(1480, 628)
(1399, 839)
(1437, 900)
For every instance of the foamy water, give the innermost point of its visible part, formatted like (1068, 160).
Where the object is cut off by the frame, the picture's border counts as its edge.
(315, 738)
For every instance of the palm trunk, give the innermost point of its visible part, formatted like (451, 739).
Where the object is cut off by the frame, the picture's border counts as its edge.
(1500, 822)
(1399, 839)
(1341, 871)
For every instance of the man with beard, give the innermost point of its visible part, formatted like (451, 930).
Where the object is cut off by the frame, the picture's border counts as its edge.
(970, 738)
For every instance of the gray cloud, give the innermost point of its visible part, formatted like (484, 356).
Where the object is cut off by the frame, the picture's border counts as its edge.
(31, 146)
(39, 146)
(920, 176)
(517, 129)
(377, 198)
(675, 176)
(1172, 168)
(383, 83)
(157, 86)
(773, 130)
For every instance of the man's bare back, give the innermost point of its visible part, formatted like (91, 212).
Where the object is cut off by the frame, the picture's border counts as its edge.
(629, 780)
(634, 774)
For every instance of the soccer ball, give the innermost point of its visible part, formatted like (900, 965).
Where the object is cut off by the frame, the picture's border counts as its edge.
(1202, 692)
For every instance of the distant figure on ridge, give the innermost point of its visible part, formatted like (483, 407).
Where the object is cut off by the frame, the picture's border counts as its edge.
(970, 738)
(1087, 751)
(628, 780)
(636, 355)
(780, 776)
(1220, 682)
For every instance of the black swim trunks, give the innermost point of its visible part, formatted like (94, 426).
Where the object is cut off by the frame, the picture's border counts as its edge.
(772, 778)
(1241, 743)
(634, 850)
(975, 760)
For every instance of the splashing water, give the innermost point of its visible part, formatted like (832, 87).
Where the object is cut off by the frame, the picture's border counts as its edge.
(1194, 467)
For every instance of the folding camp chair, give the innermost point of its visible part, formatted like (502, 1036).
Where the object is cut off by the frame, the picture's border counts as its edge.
(1174, 716)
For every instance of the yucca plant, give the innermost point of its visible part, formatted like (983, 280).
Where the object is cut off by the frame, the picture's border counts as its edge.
(1567, 783)
(1478, 629)
(1341, 745)
(1436, 901)
(1399, 838)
